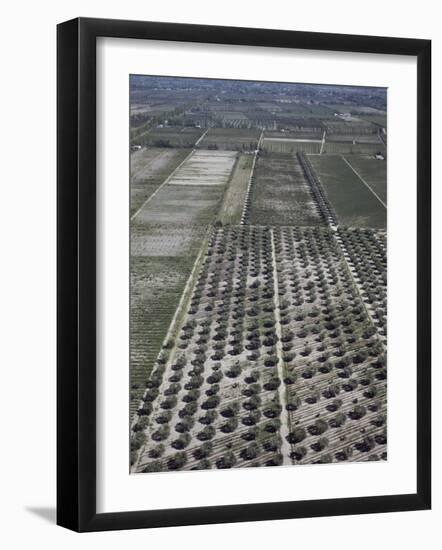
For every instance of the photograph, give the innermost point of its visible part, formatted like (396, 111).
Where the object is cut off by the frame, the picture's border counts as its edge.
(258, 274)
(203, 291)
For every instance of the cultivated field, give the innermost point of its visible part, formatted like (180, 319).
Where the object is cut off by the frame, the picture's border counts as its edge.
(167, 232)
(280, 194)
(373, 171)
(276, 361)
(183, 205)
(350, 148)
(354, 203)
(357, 138)
(352, 125)
(170, 137)
(298, 135)
(156, 286)
(161, 261)
(258, 274)
(149, 168)
(334, 362)
(298, 110)
(378, 119)
(205, 168)
(366, 252)
(235, 139)
(231, 116)
(291, 145)
(165, 239)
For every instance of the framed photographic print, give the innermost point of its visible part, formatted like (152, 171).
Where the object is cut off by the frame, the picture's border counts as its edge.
(243, 257)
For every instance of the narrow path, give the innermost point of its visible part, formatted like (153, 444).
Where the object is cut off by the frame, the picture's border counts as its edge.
(322, 143)
(285, 420)
(364, 182)
(201, 137)
(161, 186)
(260, 139)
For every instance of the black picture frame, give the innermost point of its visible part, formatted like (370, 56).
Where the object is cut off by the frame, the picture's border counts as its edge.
(76, 274)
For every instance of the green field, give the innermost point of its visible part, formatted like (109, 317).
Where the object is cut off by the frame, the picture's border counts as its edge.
(373, 171)
(350, 148)
(354, 204)
(282, 145)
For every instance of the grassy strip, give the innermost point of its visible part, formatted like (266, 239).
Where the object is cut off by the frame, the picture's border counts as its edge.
(231, 208)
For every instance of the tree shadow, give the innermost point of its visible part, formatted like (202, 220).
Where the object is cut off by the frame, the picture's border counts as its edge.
(44, 512)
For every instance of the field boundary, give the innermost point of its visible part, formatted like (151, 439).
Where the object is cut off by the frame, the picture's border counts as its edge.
(202, 136)
(323, 142)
